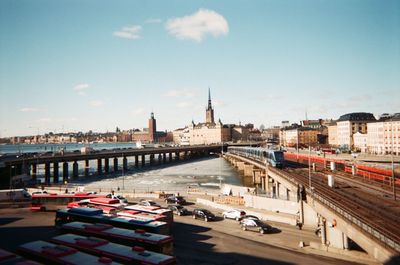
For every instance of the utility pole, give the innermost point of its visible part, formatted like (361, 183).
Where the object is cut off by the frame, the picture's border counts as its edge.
(393, 176)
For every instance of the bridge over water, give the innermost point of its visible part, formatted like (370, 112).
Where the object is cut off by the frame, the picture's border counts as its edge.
(28, 164)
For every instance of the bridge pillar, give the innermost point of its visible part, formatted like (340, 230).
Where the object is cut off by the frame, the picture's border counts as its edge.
(47, 173)
(323, 231)
(164, 157)
(248, 171)
(345, 241)
(34, 171)
(177, 155)
(115, 164)
(55, 172)
(277, 187)
(170, 157)
(143, 160)
(106, 165)
(136, 161)
(159, 158)
(99, 167)
(125, 163)
(151, 159)
(185, 154)
(65, 172)
(240, 166)
(86, 167)
(263, 183)
(75, 170)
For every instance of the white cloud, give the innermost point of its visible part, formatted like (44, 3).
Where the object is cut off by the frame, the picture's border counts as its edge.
(153, 21)
(27, 109)
(174, 93)
(131, 32)
(82, 93)
(138, 111)
(198, 25)
(96, 103)
(81, 87)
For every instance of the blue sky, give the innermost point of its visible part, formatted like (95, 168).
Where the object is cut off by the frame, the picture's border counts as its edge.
(80, 65)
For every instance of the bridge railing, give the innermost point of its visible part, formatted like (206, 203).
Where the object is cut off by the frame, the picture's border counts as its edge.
(353, 219)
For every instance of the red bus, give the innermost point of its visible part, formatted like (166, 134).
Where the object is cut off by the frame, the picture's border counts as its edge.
(11, 258)
(99, 202)
(142, 215)
(154, 242)
(52, 201)
(328, 151)
(93, 215)
(117, 252)
(153, 210)
(46, 253)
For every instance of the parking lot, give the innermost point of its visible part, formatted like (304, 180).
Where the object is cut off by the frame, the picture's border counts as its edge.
(195, 241)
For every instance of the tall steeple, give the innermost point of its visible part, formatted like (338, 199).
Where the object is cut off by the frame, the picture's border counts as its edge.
(209, 110)
(209, 99)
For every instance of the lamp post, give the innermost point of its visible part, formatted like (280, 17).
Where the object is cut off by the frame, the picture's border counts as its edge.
(123, 173)
(392, 149)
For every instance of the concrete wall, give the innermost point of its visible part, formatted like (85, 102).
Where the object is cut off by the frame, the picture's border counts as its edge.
(310, 216)
(274, 205)
(266, 216)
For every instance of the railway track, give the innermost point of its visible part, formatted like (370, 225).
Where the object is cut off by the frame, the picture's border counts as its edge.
(364, 208)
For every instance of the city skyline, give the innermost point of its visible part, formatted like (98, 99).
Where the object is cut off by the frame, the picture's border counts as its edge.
(67, 68)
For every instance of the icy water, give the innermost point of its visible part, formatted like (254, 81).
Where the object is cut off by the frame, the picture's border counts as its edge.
(204, 174)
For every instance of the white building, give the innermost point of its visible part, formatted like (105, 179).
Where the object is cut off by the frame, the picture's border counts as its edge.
(360, 142)
(349, 124)
(375, 138)
(392, 135)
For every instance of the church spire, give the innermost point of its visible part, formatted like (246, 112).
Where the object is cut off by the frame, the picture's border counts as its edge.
(209, 107)
(210, 110)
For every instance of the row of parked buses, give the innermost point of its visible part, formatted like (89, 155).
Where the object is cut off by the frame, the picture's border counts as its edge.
(265, 155)
(102, 229)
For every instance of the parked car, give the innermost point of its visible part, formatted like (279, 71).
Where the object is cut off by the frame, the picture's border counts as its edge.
(148, 203)
(234, 214)
(253, 217)
(204, 214)
(178, 209)
(256, 225)
(118, 197)
(176, 200)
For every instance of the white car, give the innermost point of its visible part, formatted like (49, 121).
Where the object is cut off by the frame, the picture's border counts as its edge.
(234, 214)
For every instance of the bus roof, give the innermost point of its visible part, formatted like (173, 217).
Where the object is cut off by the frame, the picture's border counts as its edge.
(104, 200)
(111, 231)
(106, 248)
(59, 254)
(84, 211)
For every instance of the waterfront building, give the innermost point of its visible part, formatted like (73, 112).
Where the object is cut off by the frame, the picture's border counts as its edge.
(332, 134)
(376, 138)
(150, 134)
(360, 142)
(392, 134)
(349, 124)
(300, 136)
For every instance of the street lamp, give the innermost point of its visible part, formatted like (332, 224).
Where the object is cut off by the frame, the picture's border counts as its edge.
(392, 149)
(123, 173)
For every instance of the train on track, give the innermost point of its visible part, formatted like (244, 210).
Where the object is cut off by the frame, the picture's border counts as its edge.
(273, 157)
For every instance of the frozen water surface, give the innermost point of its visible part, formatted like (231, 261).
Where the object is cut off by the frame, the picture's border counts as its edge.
(206, 173)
